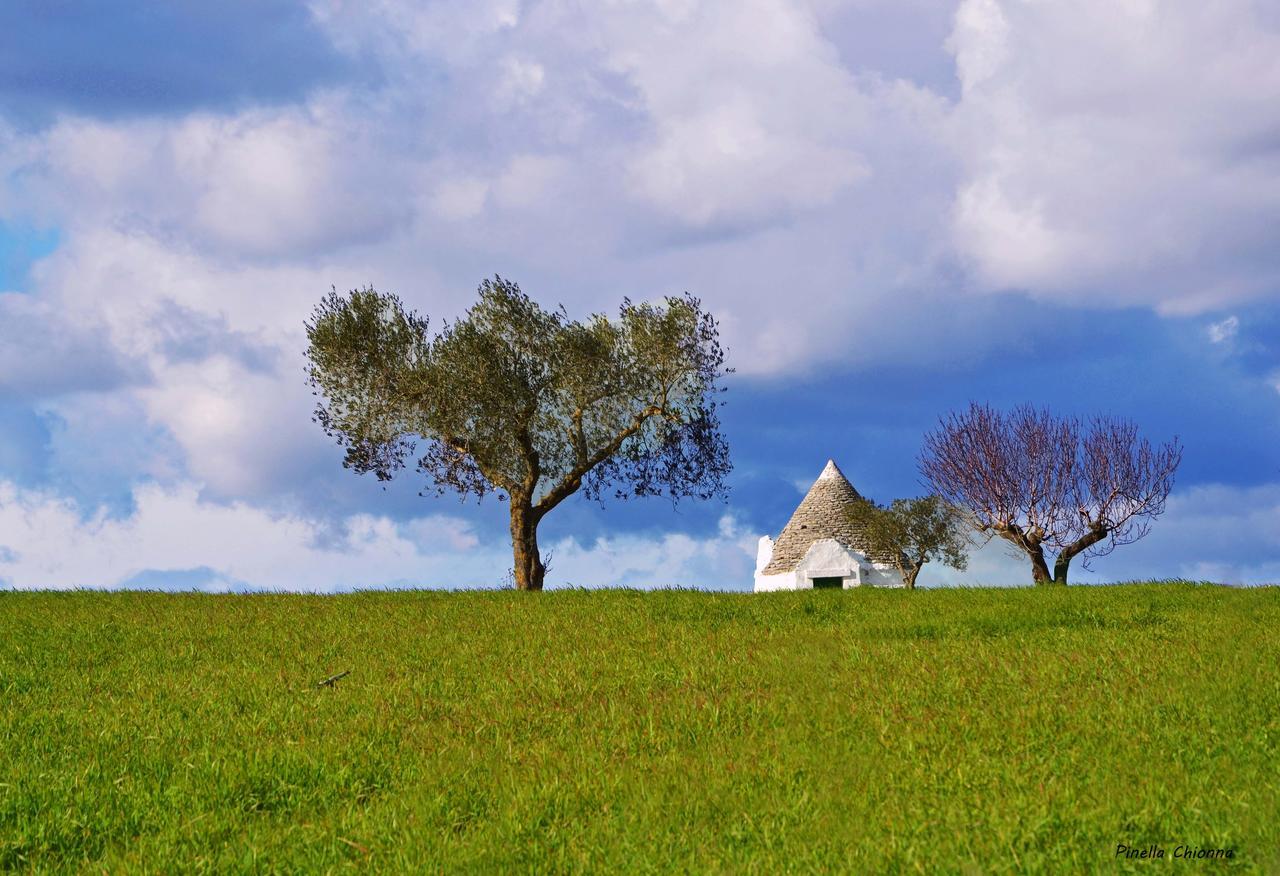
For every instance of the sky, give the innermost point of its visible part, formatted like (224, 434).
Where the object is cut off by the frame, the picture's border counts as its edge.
(894, 208)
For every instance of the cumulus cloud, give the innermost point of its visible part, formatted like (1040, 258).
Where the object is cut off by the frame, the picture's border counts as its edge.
(44, 354)
(1119, 153)
(732, 153)
(749, 109)
(724, 561)
(659, 187)
(454, 30)
(719, 116)
(265, 182)
(174, 539)
(826, 195)
(55, 543)
(1210, 532)
(207, 353)
(241, 432)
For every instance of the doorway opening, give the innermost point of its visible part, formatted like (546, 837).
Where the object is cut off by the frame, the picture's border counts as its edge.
(828, 583)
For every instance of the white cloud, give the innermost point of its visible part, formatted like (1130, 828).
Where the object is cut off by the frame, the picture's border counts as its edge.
(528, 179)
(51, 542)
(46, 352)
(461, 198)
(749, 109)
(725, 561)
(453, 30)
(718, 114)
(1223, 331)
(523, 79)
(1216, 532)
(1107, 155)
(241, 432)
(212, 356)
(1119, 153)
(1110, 153)
(263, 183)
(54, 543)
(1210, 532)
(568, 151)
(979, 41)
(100, 443)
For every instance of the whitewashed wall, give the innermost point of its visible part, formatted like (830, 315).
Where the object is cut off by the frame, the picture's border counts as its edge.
(826, 558)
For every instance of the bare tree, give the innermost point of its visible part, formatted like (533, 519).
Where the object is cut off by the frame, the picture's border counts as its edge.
(523, 401)
(1050, 483)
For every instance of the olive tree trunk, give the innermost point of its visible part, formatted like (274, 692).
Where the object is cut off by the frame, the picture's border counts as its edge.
(910, 572)
(528, 569)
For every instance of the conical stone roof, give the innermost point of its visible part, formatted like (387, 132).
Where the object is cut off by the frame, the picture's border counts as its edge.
(821, 514)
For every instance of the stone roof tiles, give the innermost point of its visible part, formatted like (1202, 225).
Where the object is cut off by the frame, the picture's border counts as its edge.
(821, 514)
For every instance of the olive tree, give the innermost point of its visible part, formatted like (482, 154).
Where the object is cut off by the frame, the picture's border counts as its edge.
(1048, 483)
(913, 532)
(522, 401)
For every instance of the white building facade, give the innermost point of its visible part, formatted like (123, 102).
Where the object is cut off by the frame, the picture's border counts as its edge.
(820, 547)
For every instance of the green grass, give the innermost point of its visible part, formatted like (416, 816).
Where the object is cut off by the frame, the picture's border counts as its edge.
(867, 731)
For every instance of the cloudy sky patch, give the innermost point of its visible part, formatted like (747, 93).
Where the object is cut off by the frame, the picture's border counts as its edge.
(893, 207)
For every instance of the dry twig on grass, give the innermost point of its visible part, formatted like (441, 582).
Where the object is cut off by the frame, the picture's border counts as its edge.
(333, 680)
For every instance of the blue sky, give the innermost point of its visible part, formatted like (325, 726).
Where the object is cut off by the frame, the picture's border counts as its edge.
(894, 208)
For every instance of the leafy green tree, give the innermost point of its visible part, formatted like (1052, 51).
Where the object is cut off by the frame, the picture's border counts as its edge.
(525, 402)
(914, 532)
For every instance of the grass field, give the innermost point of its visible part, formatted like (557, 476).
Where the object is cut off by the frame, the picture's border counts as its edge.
(994, 731)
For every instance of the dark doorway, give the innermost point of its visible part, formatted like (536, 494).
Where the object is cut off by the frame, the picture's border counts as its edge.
(828, 583)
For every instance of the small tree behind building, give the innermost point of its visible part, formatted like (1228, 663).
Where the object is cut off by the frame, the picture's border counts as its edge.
(915, 532)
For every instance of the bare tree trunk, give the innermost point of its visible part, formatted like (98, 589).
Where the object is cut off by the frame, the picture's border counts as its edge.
(528, 569)
(1084, 542)
(1039, 568)
(1034, 550)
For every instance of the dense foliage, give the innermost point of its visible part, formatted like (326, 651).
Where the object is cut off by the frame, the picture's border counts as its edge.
(525, 401)
(914, 532)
